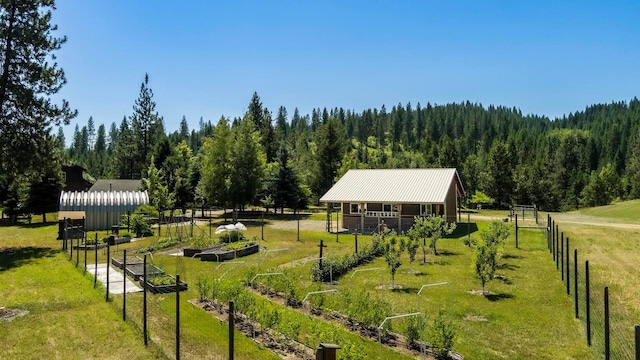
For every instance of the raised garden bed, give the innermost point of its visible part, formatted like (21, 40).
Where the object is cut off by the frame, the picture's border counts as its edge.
(89, 246)
(131, 260)
(137, 270)
(163, 284)
(223, 254)
(191, 252)
(117, 241)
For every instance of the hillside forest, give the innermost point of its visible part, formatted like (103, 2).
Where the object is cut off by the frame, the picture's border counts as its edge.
(282, 159)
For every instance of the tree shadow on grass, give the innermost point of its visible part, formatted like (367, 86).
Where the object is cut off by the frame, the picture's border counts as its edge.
(498, 296)
(447, 253)
(407, 290)
(15, 257)
(509, 256)
(506, 266)
(463, 229)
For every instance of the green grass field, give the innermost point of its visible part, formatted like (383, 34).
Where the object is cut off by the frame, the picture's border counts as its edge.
(527, 316)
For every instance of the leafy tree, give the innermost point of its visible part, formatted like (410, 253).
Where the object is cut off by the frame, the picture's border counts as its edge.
(487, 251)
(246, 164)
(412, 247)
(29, 76)
(498, 174)
(485, 261)
(216, 165)
(602, 187)
(393, 248)
(157, 189)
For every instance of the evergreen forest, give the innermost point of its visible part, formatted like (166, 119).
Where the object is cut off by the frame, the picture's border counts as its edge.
(282, 160)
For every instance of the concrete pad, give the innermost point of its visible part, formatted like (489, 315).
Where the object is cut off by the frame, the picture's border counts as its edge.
(116, 279)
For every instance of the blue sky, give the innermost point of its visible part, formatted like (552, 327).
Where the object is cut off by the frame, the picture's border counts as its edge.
(206, 58)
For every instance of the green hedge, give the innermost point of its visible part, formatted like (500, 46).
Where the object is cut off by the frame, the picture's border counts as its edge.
(337, 266)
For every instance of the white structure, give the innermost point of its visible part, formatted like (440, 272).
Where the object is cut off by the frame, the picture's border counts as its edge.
(103, 208)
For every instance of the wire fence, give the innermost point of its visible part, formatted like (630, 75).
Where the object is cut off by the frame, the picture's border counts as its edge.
(608, 325)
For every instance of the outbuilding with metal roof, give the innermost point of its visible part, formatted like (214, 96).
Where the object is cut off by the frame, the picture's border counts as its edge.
(370, 197)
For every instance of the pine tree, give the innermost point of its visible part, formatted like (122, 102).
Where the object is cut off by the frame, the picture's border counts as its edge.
(146, 126)
(29, 76)
(216, 165)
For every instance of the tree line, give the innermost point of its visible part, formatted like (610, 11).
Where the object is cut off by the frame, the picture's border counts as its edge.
(282, 160)
(587, 158)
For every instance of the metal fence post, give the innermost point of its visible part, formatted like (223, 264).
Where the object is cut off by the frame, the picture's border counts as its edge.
(124, 285)
(637, 330)
(517, 231)
(575, 281)
(177, 317)
(78, 252)
(108, 260)
(607, 346)
(567, 267)
(144, 301)
(95, 277)
(231, 327)
(85, 257)
(588, 301)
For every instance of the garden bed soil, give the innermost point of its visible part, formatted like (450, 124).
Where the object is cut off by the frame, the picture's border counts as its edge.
(280, 344)
(137, 270)
(131, 260)
(223, 255)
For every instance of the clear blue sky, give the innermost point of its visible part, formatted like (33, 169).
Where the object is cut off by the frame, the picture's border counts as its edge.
(206, 58)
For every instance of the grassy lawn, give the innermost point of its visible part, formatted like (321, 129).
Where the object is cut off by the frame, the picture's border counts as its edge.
(527, 315)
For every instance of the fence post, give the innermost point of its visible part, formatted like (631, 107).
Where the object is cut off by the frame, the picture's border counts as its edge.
(231, 326)
(567, 267)
(607, 347)
(124, 285)
(108, 260)
(575, 281)
(262, 227)
(95, 273)
(517, 230)
(177, 316)
(78, 252)
(144, 301)
(85, 257)
(64, 233)
(588, 301)
(637, 328)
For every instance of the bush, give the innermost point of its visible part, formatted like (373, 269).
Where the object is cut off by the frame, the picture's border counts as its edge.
(238, 245)
(441, 335)
(138, 223)
(201, 243)
(159, 245)
(337, 266)
(231, 236)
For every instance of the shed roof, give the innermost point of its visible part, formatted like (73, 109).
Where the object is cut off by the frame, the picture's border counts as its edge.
(416, 186)
(116, 185)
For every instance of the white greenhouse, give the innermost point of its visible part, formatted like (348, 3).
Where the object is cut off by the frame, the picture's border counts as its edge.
(103, 208)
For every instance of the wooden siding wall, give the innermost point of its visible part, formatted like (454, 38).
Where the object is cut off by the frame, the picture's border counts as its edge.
(451, 203)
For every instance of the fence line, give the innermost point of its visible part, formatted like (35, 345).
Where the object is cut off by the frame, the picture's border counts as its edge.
(606, 330)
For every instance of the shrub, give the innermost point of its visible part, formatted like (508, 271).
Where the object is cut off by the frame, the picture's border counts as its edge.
(337, 266)
(231, 236)
(204, 286)
(414, 326)
(441, 335)
(238, 245)
(159, 245)
(201, 243)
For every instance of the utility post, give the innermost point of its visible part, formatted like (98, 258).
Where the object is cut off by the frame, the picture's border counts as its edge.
(322, 245)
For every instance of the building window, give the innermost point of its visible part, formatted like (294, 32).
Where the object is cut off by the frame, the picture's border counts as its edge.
(389, 207)
(355, 208)
(426, 209)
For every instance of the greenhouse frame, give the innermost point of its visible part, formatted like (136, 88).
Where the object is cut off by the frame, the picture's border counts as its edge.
(103, 209)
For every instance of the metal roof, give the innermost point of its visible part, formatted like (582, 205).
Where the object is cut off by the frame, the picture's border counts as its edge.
(415, 186)
(116, 185)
